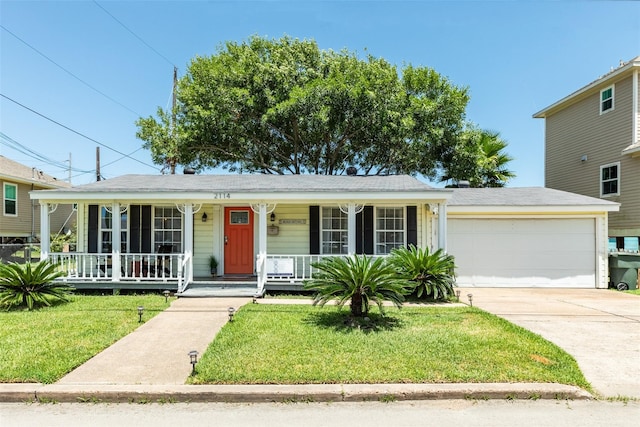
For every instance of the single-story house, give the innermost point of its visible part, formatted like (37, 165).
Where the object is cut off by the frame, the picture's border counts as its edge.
(268, 229)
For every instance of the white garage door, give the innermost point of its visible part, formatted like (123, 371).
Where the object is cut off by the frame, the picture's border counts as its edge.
(523, 252)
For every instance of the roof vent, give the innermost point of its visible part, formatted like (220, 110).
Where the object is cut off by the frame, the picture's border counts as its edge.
(463, 184)
(189, 171)
(352, 171)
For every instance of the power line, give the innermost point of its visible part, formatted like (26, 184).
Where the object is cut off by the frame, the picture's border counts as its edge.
(76, 132)
(15, 145)
(134, 34)
(70, 73)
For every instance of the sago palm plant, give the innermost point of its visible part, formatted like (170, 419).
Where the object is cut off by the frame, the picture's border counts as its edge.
(359, 279)
(31, 285)
(431, 273)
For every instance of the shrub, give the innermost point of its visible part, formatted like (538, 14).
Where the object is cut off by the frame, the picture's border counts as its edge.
(358, 279)
(432, 273)
(31, 285)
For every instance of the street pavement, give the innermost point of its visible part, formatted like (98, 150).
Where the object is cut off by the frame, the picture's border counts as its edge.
(468, 413)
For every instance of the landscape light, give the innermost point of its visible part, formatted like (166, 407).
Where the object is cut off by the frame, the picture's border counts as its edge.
(193, 359)
(140, 311)
(231, 311)
(458, 295)
(166, 295)
(470, 296)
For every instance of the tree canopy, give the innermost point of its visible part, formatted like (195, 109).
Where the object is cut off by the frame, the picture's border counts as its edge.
(285, 106)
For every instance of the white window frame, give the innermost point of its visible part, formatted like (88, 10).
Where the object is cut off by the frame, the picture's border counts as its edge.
(377, 243)
(105, 211)
(612, 98)
(155, 242)
(5, 198)
(343, 244)
(617, 178)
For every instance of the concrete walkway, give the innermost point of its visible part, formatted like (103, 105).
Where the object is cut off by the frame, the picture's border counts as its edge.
(600, 328)
(156, 352)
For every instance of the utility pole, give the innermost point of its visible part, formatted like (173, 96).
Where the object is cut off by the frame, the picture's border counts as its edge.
(172, 160)
(98, 164)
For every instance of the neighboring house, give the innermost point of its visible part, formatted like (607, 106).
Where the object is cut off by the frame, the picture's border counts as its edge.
(268, 229)
(20, 219)
(592, 147)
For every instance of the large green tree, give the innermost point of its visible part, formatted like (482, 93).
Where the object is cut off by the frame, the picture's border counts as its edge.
(286, 106)
(478, 158)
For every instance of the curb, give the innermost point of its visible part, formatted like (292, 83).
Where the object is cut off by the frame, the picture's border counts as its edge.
(98, 393)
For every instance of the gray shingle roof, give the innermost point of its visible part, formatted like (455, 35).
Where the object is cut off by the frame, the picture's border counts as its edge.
(523, 196)
(255, 183)
(12, 169)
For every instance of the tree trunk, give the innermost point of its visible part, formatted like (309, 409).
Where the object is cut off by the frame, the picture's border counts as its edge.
(356, 305)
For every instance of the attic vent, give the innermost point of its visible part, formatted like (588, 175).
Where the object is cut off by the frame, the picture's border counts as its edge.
(189, 171)
(352, 171)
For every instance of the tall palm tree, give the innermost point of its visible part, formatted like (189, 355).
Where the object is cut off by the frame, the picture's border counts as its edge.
(479, 159)
(493, 168)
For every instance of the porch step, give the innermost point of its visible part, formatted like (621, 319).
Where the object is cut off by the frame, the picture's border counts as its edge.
(227, 290)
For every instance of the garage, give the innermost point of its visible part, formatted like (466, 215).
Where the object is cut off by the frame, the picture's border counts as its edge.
(524, 252)
(528, 237)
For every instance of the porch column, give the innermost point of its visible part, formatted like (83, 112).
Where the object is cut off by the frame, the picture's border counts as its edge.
(188, 240)
(351, 228)
(45, 243)
(115, 241)
(261, 260)
(442, 226)
(262, 229)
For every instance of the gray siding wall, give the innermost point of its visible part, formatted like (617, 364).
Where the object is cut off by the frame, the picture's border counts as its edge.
(580, 130)
(29, 213)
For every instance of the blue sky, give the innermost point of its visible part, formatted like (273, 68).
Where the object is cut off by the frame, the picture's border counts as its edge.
(516, 58)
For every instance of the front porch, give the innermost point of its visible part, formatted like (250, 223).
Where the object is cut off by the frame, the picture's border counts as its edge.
(170, 272)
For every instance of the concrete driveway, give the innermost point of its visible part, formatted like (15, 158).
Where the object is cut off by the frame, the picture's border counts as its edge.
(599, 328)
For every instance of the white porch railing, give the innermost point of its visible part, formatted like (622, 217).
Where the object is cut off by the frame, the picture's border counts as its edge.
(291, 268)
(133, 267)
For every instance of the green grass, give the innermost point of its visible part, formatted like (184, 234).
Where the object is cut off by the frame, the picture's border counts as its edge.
(633, 291)
(281, 344)
(43, 345)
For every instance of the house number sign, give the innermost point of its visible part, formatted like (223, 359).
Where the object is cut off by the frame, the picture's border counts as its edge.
(221, 195)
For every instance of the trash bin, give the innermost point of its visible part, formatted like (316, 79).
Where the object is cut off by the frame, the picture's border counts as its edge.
(623, 270)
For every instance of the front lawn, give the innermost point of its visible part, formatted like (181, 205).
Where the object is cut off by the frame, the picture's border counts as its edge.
(284, 344)
(43, 345)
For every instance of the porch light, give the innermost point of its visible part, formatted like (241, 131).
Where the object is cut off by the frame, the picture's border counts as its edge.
(458, 295)
(166, 295)
(273, 216)
(231, 311)
(193, 359)
(470, 296)
(204, 217)
(140, 311)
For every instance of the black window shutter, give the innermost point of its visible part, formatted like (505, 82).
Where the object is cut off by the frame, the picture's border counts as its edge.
(359, 232)
(134, 229)
(412, 226)
(92, 231)
(314, 230)
(145, 237)
(368, 237)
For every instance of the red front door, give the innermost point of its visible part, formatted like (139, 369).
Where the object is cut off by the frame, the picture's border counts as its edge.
(238, 240)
